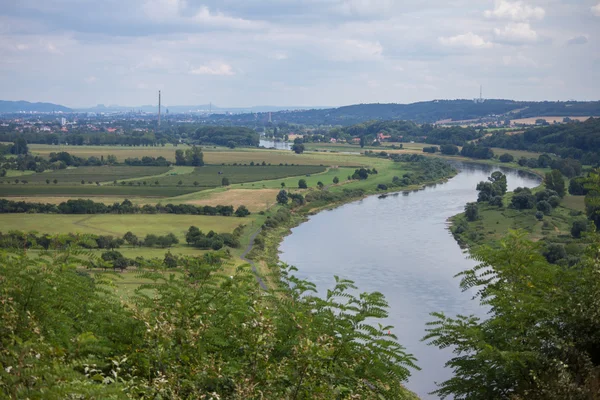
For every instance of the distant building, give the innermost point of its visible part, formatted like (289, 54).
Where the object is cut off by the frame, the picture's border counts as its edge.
(63, 121)
(333, 140)
(381, 136)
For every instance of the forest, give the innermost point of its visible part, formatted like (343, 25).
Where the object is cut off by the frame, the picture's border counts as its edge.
(578, 140)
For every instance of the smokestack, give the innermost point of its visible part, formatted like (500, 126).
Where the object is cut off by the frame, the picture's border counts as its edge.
(159, 108)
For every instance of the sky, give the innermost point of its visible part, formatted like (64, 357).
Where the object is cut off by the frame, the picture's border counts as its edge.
(240, 53)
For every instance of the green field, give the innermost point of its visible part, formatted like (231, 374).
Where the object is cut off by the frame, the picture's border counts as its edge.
(119, 224)
(87, 190)
(94, 174)
(211, 175)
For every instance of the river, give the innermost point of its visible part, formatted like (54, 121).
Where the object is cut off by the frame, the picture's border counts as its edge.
(271, 144)
(400, 246)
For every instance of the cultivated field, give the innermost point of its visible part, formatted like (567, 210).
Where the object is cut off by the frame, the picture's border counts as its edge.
(212, 175)
(212, 155)
(550, 120)
(119, 224)
(255, 200)
(87, 190)
(94, 174)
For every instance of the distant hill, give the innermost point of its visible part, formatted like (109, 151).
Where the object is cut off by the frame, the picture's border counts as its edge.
(200, 108)
(423, 112)
(25, 106)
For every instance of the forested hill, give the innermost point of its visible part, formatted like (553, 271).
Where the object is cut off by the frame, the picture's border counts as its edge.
(578, 140)
(423, 112)
(25, 106)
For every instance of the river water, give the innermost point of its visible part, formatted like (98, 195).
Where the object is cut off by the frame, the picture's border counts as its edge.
(400, 246)
(275, 145)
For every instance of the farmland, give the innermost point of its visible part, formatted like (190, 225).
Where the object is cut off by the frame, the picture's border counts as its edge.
(119, 224)
(94, 174)
(212, 175)
(77, 191)
(212, 155)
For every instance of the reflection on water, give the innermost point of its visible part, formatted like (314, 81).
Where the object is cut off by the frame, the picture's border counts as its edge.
(270, 144)
(400, 246)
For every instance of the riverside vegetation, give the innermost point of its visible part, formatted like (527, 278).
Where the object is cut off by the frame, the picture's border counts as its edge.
(202, 327)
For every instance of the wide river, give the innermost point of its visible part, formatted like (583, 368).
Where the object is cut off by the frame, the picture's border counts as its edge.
(400, 246)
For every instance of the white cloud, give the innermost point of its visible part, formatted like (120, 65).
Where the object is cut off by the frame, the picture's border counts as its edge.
(518, 60)
(351, 50)
(515, 11)
(215, 68)
(365, 7)
(516, 33)
(279, 56)
(469, 40)
(90, 79)
(596, 10)
(578, 40)
(178, 12)
(22, 47)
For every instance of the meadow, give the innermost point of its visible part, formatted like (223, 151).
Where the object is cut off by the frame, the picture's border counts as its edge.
(212, 154)
(89, 175)
(119, 224)
(91, 191)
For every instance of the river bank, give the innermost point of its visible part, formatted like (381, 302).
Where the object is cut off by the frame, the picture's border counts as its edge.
(398, 245)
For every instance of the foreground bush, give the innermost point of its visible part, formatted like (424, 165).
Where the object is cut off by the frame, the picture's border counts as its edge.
(196, 334)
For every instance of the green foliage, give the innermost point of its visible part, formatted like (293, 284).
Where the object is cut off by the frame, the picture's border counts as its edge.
(506, 158)
(195, 334)
(523, 199)
(242, 211)
(540, 337)
(472, 212)
(298, 148)
(282, 197)
(336, 180)
(496, 186)
(554, 181)
(192, 157)
(302, 184)
(572, 140)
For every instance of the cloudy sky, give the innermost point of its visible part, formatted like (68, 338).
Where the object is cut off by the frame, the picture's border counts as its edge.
(297, 52)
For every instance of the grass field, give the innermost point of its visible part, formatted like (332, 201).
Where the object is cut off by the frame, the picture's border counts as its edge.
(550, 120)
(94, 174)
(119, 224)
(211, 175)
(41, 191)
(212, 155)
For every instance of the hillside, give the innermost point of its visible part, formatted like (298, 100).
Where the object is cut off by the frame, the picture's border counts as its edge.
(25, 106)
(422, 112)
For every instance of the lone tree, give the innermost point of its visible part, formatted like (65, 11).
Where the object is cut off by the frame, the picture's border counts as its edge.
(472, 212)
(302, 184)
(224, 182)
(55, 181)
(47, 181)
(282, 185)
(282, 197)
(320, 185)
(298, 148)
(336, 180)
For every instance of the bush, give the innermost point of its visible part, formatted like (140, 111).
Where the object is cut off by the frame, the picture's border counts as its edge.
(472, 212)
(578, 228)
(302, 184)
(539, 215)
(506, 158)
(382, 186)
(544, 207)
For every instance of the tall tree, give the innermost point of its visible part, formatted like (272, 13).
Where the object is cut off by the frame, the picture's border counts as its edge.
(555, 181)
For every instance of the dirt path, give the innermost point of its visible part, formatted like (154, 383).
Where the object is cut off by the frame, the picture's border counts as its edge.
(243, 257)
(81, 223)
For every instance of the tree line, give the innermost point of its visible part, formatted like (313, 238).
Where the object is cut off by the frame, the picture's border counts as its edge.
(82, 206)
(576, 140)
